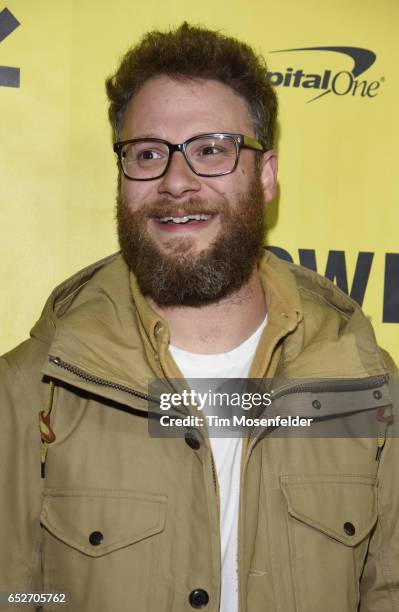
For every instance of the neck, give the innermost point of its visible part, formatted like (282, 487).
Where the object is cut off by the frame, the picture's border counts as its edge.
(220, 327)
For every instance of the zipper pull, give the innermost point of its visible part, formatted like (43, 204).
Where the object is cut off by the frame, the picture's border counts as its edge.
(384, 418)
(46, 433)
(380, 446)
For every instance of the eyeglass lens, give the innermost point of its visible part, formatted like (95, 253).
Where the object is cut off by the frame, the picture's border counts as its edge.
(205, 154)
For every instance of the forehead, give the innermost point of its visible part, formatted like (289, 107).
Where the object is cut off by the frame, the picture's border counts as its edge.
(176, 109)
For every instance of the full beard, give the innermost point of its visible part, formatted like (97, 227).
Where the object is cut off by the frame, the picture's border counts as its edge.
(181, 278)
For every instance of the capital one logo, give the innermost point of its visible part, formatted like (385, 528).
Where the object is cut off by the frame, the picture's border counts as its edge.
(9, 76)
(341, 83)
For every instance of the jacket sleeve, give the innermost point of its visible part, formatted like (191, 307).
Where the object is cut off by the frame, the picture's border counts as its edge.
(379, 588)
(20, 479)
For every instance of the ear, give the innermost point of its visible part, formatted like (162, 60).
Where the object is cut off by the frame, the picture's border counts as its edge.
(268, 174)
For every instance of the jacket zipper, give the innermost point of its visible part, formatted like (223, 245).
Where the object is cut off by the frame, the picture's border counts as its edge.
(96, 380)
(329, 386)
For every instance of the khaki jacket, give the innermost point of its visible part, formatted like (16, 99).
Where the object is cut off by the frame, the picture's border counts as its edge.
(130, 523)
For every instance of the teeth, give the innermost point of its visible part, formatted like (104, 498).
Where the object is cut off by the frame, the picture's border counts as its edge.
(185, 219)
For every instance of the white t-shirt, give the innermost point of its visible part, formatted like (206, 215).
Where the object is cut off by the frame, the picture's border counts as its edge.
(226, 451)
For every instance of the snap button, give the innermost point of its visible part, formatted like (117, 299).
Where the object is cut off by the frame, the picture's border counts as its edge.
(198, 598)
(377, 394)
(158, 328)
(96, 538)
(349, 529)
(316, 404)
(192, 441)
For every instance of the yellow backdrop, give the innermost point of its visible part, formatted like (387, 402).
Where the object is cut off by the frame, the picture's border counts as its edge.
(337, 206)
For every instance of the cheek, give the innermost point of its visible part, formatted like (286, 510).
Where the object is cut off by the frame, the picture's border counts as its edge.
(247, 164)
(133, 192)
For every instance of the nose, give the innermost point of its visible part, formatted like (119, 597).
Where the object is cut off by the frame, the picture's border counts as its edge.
(179, 179)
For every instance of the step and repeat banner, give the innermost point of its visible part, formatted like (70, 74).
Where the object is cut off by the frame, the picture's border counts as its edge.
(334, 66)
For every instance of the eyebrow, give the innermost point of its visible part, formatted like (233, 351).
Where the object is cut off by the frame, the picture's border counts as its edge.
(148, 135)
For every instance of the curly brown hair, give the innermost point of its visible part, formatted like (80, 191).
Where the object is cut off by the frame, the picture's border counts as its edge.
(195, 52)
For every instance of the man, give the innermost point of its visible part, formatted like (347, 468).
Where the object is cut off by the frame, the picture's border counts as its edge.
(96, 507)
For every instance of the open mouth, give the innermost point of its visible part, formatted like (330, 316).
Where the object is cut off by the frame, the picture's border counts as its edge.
(183, 220)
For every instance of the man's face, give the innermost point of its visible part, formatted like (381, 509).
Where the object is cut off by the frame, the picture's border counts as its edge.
(202, 261)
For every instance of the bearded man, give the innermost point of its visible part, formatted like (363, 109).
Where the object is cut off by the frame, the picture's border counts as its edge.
(94, 506)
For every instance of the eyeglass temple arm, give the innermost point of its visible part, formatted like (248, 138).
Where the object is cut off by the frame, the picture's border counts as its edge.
(251, 143)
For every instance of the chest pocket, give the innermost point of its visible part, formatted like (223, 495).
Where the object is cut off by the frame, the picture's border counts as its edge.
(102, 545)
(330, 520)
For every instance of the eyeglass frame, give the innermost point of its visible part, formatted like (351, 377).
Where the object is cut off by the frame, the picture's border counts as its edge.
(241, 142)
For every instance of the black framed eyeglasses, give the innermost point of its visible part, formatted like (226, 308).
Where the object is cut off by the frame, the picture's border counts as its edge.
(145, 159)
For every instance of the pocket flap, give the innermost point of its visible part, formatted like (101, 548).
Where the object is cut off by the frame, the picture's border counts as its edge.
(343, 507)
(97, 522)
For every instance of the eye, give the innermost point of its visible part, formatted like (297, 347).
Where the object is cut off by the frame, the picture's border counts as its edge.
(148, 155)
(209, 150)
(143, 153)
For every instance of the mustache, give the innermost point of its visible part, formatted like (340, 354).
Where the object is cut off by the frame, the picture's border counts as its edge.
(192, 206)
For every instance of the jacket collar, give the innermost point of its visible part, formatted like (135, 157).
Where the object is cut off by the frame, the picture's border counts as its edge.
(104, 328)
